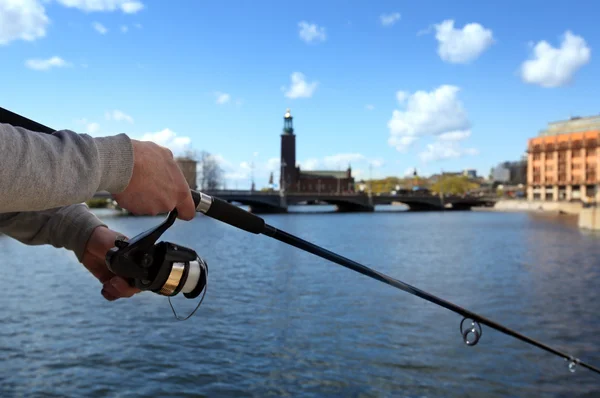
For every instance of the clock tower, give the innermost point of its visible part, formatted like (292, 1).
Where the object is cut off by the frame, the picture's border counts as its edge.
(287, 178)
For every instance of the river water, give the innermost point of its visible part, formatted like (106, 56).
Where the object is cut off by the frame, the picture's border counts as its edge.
(279, 322)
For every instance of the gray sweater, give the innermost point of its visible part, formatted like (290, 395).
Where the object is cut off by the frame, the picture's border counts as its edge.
(45, 178)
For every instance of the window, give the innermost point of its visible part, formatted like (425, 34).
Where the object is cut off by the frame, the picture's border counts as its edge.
(591, 176)
(576, 153)
(591, 142)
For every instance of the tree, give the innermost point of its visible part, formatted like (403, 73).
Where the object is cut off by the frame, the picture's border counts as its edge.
(210, 173)
(454, 185)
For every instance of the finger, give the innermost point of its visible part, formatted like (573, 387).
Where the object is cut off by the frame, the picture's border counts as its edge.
(123, 288)
(108, 296)
(97, 267)
(186, 209)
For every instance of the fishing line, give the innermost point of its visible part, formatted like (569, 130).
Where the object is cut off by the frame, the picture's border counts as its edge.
(240, 218)
(168, 269)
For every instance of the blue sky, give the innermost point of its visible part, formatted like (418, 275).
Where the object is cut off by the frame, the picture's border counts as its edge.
(431, 85)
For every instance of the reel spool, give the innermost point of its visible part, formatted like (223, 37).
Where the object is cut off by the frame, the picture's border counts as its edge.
(163, 268)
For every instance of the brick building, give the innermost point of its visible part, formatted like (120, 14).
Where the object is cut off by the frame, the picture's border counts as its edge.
(188, 168)
(563, 161)
(293, 179)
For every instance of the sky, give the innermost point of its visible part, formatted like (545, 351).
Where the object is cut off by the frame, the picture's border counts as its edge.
(383, 86)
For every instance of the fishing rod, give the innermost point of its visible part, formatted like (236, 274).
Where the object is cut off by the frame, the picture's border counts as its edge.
(169, 269)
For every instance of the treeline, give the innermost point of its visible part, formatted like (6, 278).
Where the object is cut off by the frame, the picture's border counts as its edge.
(451, 184)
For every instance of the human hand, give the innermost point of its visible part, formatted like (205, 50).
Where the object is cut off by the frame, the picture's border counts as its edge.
(157, 184)
(100, 242)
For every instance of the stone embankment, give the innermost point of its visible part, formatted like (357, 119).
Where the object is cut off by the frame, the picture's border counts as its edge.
(588, 217)
(524, 205)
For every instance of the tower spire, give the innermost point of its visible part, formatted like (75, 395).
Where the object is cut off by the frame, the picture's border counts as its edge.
(288, 127)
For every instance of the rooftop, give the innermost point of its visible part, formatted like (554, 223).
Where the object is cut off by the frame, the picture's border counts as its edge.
(573, 125)
(325, 173)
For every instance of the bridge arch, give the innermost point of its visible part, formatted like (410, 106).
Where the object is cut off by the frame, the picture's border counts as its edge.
(260, 206)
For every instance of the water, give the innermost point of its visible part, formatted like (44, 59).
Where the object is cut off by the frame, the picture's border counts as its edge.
(280, 322)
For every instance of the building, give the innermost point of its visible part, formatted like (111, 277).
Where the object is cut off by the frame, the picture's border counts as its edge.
(470, 173)
(511, 173)
(563, 161)
(293, 179)
(188, 168)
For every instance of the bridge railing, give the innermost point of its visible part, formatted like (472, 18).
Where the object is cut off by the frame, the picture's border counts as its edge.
(411, 194)
(233, 192)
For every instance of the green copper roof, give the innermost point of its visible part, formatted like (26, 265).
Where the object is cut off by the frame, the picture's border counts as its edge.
(324, 173)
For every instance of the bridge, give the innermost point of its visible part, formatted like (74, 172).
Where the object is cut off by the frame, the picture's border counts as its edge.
(275, 202)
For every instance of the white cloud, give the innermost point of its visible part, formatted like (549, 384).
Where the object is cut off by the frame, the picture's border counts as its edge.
(45, 64)
(311, 32)
(369, 107)
(22, 20)
(309, 164)
(389, 19)
(124, 28)
(553, 67)
(169, 139)
(441, 150)
(377, 163)
(402, 96)
(222, 98)
(99, 28)
(401, 143)
(461, 46)
(300, 88)
(273, 164)
(427, 113)
(342, 160)
(127, 6)
(27, 19)
(242, 172)
(118, 116)
(131, 7)
(339, 161)
(90, 128)
(455, 135)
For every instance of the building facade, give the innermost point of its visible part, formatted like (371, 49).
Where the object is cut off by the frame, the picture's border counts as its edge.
(293, 179)
(511, 173)
(188, 168)
(563, 161)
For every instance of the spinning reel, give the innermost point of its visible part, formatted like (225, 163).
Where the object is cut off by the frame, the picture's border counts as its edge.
(163, 268)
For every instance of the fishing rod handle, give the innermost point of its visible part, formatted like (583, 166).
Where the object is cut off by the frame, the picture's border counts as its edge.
(226, 212)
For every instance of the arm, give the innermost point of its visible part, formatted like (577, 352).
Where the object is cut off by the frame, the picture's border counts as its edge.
(74, 228)
(45, 171)
(68, 227)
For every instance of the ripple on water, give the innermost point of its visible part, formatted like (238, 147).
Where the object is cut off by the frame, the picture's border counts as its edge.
(278, 322)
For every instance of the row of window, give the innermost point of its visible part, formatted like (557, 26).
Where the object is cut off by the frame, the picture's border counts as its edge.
(574, 153)
(562, 179)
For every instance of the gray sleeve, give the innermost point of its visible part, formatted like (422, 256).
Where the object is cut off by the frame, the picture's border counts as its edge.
(43, 171)
(68, 227)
